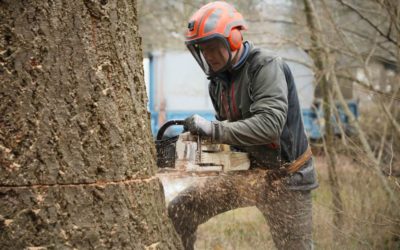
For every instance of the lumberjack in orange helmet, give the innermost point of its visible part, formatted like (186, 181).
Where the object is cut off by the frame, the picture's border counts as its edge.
(214, 36)
(257, 111)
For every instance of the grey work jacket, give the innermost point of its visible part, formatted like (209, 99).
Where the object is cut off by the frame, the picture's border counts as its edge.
(258, 104)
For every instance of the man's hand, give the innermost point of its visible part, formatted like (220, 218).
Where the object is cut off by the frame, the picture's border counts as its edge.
(197, 125)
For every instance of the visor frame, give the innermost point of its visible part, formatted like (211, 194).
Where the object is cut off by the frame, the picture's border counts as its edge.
(193, 47)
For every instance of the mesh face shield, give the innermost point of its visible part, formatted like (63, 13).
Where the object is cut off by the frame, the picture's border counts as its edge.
(216, 46)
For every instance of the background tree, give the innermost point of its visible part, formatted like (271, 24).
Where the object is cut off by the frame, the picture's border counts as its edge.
(76, 153)
(348, 48)
(320, 55)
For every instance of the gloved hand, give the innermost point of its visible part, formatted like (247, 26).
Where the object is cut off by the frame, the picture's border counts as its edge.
(197, 125)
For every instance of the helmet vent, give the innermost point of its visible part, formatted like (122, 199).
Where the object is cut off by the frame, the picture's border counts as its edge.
(212, 21)
(191, 25)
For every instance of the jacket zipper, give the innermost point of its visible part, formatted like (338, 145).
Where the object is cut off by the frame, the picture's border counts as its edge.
(233, 99)
(229, 102)
(225, 104)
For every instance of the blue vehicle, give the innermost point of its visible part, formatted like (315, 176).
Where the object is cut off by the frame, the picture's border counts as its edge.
(314, 122)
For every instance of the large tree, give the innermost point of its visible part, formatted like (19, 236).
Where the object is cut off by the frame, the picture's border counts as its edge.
(76, 154)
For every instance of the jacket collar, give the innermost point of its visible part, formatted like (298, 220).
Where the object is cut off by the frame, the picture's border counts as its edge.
(246, 46)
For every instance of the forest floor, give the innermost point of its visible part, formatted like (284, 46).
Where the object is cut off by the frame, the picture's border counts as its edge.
(370, 221)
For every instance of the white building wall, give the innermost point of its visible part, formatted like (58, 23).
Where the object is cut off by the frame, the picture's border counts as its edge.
(180, 84)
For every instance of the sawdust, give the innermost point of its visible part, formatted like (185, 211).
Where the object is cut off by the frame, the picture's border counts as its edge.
(194, 200)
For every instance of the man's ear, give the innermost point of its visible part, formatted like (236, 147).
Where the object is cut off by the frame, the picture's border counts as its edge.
(235, 39)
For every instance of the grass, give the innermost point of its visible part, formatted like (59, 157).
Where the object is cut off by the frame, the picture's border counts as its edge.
(243, 228)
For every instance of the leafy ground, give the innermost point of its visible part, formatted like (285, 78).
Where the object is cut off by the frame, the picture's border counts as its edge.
(370, 221)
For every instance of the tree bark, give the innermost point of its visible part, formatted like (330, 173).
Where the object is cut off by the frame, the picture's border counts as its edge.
(77, 161)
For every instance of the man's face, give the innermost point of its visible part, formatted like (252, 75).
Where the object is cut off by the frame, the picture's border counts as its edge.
(216, 53)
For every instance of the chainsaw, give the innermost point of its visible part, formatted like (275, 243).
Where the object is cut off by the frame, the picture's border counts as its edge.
(191, 154)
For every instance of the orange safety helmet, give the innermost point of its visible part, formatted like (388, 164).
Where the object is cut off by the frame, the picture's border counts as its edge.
(216, 20)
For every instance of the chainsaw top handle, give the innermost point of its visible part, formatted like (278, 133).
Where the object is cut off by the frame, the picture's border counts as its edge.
(166, 125)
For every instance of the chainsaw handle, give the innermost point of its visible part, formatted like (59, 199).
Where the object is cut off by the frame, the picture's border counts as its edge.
(166, 125)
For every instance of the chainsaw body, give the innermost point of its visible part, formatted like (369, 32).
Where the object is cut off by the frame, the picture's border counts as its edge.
(193, 154)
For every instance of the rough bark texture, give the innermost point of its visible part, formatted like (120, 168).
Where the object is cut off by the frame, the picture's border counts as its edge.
(76, 152)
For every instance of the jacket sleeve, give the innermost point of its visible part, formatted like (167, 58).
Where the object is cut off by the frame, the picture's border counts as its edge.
(268, 92)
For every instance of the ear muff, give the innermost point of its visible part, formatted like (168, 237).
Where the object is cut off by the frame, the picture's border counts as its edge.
(235, 39)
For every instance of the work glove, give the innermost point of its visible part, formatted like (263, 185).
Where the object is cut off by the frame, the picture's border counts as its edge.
(197, 125)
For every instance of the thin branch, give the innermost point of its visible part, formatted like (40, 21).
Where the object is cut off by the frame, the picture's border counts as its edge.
(364, 36)
(364, 141)
(367, 87)
(369, 22)
(391, 158)
(271, 20)
(389, 115)
(381, 148)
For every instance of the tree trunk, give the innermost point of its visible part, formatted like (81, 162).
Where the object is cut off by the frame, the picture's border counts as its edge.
(320, 57)
(77, 161)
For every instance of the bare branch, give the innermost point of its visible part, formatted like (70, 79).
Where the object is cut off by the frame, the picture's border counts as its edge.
(369, 22)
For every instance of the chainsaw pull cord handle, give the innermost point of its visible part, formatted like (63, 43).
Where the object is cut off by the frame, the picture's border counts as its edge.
(166, 125)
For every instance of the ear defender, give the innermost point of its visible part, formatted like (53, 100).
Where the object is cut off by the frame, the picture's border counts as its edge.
(235, 39)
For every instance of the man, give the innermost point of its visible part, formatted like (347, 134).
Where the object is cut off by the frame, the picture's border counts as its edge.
(257, 109)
